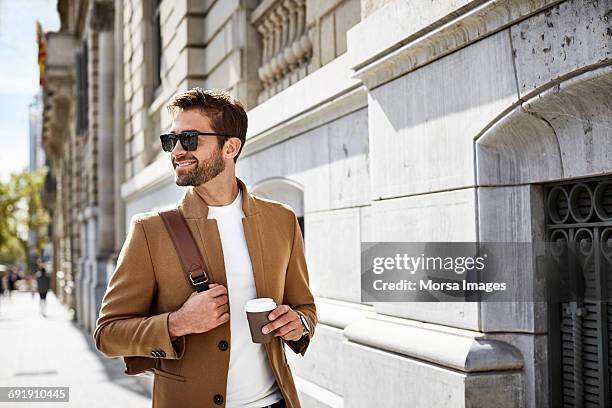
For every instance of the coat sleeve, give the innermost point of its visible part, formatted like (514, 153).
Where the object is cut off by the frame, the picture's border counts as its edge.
(124, 326)
(297, 291)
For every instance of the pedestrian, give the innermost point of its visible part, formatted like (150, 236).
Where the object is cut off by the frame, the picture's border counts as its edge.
(251, 247)
(3, 283)
(43, 281)
(12, 279)
(3, 286)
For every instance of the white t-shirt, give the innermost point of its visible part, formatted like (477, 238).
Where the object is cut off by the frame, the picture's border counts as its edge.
(250, 381)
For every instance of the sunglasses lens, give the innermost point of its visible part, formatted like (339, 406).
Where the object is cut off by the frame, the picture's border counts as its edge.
(189, 141)
(168, 142)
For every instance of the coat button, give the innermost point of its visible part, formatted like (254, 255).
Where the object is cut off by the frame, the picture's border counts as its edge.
(154, 353)
(223, 345)
(162, 353)
(218, 399)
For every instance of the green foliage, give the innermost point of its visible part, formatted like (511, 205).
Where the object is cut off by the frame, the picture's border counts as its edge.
(21, 211)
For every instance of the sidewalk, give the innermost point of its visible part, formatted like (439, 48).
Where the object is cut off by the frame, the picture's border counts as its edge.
(53, 351)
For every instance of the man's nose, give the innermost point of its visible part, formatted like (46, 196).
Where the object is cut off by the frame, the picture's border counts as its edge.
(178, 150)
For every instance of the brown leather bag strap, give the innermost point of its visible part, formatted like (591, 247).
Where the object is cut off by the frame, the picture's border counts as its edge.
(186, 248)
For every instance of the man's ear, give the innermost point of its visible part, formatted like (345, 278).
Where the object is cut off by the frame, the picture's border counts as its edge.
(232, 147)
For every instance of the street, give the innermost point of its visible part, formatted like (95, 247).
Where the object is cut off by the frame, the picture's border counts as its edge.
(53, 351)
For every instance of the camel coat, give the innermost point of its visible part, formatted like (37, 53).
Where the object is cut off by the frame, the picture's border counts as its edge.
(149, 283)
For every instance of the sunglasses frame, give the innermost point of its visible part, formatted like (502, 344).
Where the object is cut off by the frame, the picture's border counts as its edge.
(187, 139)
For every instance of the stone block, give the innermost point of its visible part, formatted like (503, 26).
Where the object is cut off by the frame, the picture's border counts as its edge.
(138, 99)
(197, 61)
(333, 254)
(174, 58)
(534, 349)
(322, 364)
(218, 14)
(439, 217)
(382, 379)
(561, 41)
(243, 171)
(139, 12)
(327, 40)
(180, 69)
(514, 214)
(316, 9)
(452, 314)
(448, 216)
(199, 6)
(138, 143)
(349, 164)
(422, 130)
(167, 8)
(370, 6)
(226, 74)
(346, 16)
(310, 401)
(217, 48)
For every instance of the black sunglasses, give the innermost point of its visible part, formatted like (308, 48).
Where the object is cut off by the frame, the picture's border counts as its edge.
(189, 139)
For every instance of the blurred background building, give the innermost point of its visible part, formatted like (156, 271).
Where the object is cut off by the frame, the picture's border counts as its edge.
(376, 120)
(37, 161)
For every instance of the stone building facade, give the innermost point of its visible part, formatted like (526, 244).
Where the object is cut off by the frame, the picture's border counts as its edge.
(78, 131)
(376, 120)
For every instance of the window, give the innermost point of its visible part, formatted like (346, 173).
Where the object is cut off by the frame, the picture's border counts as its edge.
(580, 332)
(82, 105)
(157, 46)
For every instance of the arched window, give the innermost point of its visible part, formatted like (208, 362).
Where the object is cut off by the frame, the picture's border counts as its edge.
(285, 191)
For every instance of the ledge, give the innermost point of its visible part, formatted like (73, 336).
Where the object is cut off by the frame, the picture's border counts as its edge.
(458, 349)
(339, 314)
(154, 175)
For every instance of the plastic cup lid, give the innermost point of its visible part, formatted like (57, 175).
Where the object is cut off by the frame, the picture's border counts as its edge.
(260, 305)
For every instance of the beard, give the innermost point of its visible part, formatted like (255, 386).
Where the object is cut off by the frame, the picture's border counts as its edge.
(202, 173)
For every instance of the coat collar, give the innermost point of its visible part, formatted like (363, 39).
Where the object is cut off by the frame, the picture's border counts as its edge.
(193, 206)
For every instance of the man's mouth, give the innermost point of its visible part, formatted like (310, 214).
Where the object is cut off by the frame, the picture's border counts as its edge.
(185, 163)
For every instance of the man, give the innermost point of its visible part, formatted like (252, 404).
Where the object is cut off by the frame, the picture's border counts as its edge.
(43, 283)
(251, 248)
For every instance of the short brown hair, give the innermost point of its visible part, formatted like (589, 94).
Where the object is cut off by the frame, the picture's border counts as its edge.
(227, 115)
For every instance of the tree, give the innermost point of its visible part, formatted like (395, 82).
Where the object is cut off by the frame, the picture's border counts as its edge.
(21, 211)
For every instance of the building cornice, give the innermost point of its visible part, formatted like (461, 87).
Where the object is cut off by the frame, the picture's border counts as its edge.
(376, 67)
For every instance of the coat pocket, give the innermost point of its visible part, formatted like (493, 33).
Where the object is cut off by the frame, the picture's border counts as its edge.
(170, 369)
(169, 375)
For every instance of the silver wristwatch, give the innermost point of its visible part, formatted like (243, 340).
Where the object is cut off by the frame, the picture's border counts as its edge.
(305, 330)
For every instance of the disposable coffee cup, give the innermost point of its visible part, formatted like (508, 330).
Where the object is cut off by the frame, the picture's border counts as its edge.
(257, 311)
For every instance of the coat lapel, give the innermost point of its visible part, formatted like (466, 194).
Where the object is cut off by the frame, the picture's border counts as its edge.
(213, 252)
(253, 239)
(195, 211)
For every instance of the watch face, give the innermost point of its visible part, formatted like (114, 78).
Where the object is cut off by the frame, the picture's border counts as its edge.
(304, 326)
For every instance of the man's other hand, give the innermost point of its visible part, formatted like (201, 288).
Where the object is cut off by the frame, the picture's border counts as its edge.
(201, 312)
(286, 322)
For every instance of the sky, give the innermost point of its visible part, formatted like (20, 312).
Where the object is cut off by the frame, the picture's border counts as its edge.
(19, 75)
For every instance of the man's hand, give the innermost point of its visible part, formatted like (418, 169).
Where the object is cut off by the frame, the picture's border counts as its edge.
(286, 322)
(201, 312)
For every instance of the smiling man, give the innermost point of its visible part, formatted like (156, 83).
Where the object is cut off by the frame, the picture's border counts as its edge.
(251, 248)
